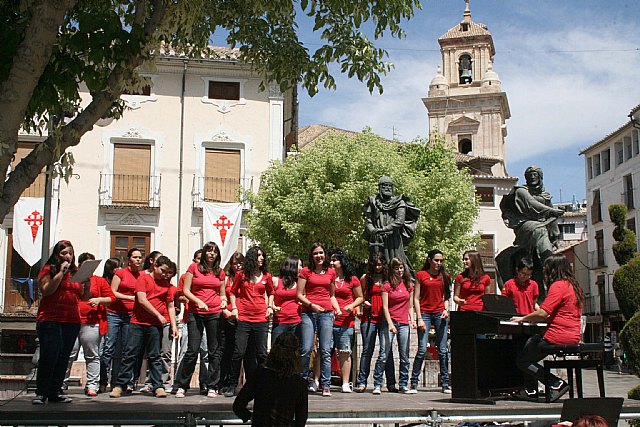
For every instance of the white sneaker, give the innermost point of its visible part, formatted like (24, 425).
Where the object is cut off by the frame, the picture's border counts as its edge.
(180, 393)
(347, 387)
(377, 390)
(412, 390)
(446, 389)
(314, 386)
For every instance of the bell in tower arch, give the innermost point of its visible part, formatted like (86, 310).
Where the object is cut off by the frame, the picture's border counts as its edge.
(465, 73)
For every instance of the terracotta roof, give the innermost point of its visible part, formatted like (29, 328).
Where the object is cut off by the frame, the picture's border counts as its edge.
(570, 246)
(308, 134)
(474, 29)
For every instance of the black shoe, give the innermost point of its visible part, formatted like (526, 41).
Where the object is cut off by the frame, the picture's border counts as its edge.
(230, 392)
(527, 395)
(39, 400)
(60, 399)
(204, 391)
(128, 391)
(557, 390)
(393, 389)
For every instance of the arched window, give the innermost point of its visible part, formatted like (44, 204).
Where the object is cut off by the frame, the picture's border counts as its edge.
(464, 146)
(465, 72)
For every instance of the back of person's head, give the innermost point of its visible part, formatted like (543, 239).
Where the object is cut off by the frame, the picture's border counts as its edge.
(591, 421)
(284, 357)
(84, 256)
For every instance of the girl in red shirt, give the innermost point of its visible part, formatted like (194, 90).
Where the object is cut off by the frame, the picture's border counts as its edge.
(472, 283)
(397, 305)
(316, 293)
(561, 309)
(283, 301)
(119, 313)
(431, 301)
(249, 295)
(97, 295)
(229, 325)
(349, 296)
(204, 288)
(58, 322)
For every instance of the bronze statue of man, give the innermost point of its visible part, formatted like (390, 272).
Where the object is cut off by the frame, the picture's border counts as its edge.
(529, 212)
(390, 222)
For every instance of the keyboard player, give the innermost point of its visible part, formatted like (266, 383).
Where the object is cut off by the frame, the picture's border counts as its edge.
(561, 310)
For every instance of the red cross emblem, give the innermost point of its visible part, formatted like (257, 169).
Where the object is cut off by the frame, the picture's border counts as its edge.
(34, 220)
(223, 225)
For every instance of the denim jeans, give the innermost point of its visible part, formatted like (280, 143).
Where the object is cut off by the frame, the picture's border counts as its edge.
(441, 326)
(142, 337)
(89, 339)
(249, 333)
(371, 331)
(56, 342)
(197, 324)
(322, 324)
(278, 329)
(385, 348)
(111, 359)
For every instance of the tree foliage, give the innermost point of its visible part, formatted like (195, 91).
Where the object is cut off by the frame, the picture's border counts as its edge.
(319, 196)
(625, 246)
(50, 48)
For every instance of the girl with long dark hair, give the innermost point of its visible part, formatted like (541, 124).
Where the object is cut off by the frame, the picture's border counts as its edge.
(431, 302)
(472, 283)
(58, 322)
(110, 267)
(561, 310)
(204, 288)
(119, 313)
(349, 297)
(229, 324)
(286, 310)
(278, 392)
(316, 293)
(251, 288)
(397, 306)
(371, 321)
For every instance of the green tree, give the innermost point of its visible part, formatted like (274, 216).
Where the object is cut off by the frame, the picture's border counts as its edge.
(50, 47)
(625, 246)
(319, 195)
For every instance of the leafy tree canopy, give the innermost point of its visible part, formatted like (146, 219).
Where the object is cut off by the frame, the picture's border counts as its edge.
(319, 196)
(50, 47)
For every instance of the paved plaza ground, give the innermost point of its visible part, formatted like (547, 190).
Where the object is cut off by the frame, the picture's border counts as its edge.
(140, 409)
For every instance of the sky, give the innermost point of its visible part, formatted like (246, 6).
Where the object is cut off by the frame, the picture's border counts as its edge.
(569, 69)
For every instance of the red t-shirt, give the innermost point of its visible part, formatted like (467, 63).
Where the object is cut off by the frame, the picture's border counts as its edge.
(563, 323)
(431, 292)
(344, 296)
(62, 305)
(207, 288)
(472, 292)
(99, 288)
(127, 286)
(399, 302)
(250, 297)
(317, 287)
(524, 296)
(160, 292)
(371, 315)
(286, 299)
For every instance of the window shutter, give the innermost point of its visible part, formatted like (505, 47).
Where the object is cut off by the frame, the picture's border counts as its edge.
(222, 175)
(131, 177)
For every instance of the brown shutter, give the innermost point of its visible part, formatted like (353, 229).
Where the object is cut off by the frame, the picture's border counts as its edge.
(36, 189)
(131, 166)
(222, 175)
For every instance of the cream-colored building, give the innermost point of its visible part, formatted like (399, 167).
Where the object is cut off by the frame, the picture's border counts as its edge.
(202, 131)
(612, 168)
(466, 103)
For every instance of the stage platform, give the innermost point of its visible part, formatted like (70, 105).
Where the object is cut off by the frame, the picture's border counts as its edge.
(340, 409)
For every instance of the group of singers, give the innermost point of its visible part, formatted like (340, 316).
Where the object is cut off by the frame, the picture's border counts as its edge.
(228, 311)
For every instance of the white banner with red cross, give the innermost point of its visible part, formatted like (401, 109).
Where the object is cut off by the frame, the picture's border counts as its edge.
(28, 222)
(221, 224)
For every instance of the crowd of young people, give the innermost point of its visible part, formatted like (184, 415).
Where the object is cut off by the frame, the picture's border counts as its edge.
(130, 314)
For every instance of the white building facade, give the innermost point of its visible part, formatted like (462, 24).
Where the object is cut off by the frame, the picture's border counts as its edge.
(612, 168)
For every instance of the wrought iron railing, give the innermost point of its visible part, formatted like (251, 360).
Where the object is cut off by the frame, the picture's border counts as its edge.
(129, 190)
(597, 259)
(215, 189)
(610, 303)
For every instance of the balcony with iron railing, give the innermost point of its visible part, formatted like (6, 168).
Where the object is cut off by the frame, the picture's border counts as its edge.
(597, 259)
(591, 305)
(609, 303)
(216, 189)
(118, 190)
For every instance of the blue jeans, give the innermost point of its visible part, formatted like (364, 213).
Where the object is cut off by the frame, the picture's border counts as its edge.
(342, 338)
(110, 361)
(441, 326)
(322, 324)
(385, 348)
(56, 342)
(278, 329)
(147, 338)
(371, 331)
